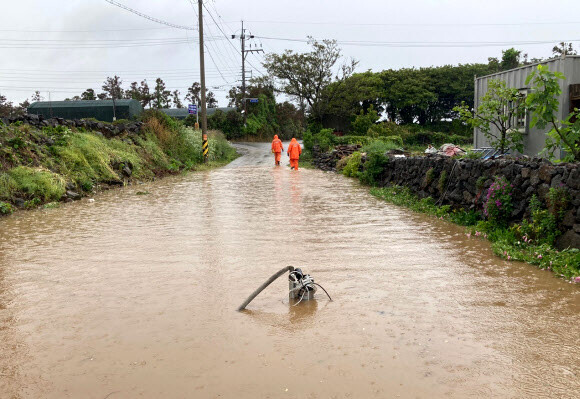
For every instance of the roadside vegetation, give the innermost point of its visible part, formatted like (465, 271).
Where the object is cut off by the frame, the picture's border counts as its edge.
(42, 166)
(531, 241)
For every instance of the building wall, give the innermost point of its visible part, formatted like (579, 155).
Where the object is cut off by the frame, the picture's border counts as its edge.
(534, 139)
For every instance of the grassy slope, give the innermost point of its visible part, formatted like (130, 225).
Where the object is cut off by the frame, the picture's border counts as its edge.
(37, 166)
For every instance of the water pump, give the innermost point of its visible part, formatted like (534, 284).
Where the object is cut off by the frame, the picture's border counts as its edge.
(301, 286)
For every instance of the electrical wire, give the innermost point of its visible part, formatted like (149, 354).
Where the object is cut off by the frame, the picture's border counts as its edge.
(206, 47)
(363, 43)
(413, 24)
(210, 14)
(79, 31)
(159, 21)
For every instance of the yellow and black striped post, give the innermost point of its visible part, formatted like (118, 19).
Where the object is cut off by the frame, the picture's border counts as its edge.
(205, 148)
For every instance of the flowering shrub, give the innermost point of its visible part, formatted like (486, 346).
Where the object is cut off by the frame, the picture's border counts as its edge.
(498, 204)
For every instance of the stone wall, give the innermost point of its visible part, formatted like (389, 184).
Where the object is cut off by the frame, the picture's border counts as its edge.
(107, 129)
(468, 181)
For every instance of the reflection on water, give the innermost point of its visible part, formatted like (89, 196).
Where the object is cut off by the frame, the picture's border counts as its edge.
(136, 296)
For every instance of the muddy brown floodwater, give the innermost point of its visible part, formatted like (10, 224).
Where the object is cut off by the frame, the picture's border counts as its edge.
(135, 296)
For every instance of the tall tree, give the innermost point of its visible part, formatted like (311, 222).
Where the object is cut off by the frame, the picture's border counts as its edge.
(254, 89)
(161, 96)
(112, 87)
(133, 93)
(88, 94)
(176, 100)
(563, 48)
(37, 97)
(145, 94)
(5, 107)
(303, 76)
(510, 59)
(210, 100)
(193, 96)
(193, 93)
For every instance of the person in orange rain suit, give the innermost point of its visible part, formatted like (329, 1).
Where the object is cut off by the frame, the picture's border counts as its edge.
(294, 151)
(277, 148)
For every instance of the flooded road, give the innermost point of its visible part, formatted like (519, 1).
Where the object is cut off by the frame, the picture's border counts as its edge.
(134, 296)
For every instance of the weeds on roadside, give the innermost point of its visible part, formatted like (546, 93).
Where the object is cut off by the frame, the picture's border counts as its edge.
(37, 164)
(511, 243)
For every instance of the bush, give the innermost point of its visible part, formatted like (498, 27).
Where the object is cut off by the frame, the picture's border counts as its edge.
(379, 146)
(325, 139)
(363, 122)
(558, 201)
(375, 163)
(498, 204)
(5, 208)
(542, 227)
(352, 165)
(308, 140)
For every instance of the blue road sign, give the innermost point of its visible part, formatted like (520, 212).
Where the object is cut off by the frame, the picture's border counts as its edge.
(192, 108)
(253, 100)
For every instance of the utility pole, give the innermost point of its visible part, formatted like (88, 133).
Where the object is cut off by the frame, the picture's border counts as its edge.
(205, 144)
(243, 38)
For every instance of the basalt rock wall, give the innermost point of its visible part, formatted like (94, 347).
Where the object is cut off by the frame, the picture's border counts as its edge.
(466, 182)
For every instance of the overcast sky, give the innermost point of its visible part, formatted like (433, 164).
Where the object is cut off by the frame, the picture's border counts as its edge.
(66, 46)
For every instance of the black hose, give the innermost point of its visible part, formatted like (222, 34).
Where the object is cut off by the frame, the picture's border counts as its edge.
(323, 290)
(263, 286)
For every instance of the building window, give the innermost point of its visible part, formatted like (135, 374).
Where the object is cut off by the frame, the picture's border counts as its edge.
(522, 120)
(519, 121)
(574, 99)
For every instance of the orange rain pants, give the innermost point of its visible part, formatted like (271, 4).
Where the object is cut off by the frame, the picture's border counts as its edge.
(277, 149)
(294, 151)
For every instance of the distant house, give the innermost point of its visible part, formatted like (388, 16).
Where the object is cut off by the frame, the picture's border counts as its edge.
(534, 139)
(99, 109)
(182, 113)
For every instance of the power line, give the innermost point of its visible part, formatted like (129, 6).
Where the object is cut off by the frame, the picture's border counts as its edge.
(220, 21)
(149, 40)
(226, 36)
(79, 31)
(366, 43)
(159, 21)
(207, 48)
(413, 24)
(101, 70)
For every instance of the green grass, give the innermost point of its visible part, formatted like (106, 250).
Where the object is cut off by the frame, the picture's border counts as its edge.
(37, 165)
(31, 184)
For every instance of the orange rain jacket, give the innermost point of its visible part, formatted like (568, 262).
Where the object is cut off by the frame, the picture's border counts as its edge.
(277, 145)
(294, 149)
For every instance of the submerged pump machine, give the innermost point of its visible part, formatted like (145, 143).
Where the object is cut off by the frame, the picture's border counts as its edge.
(301, 286)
